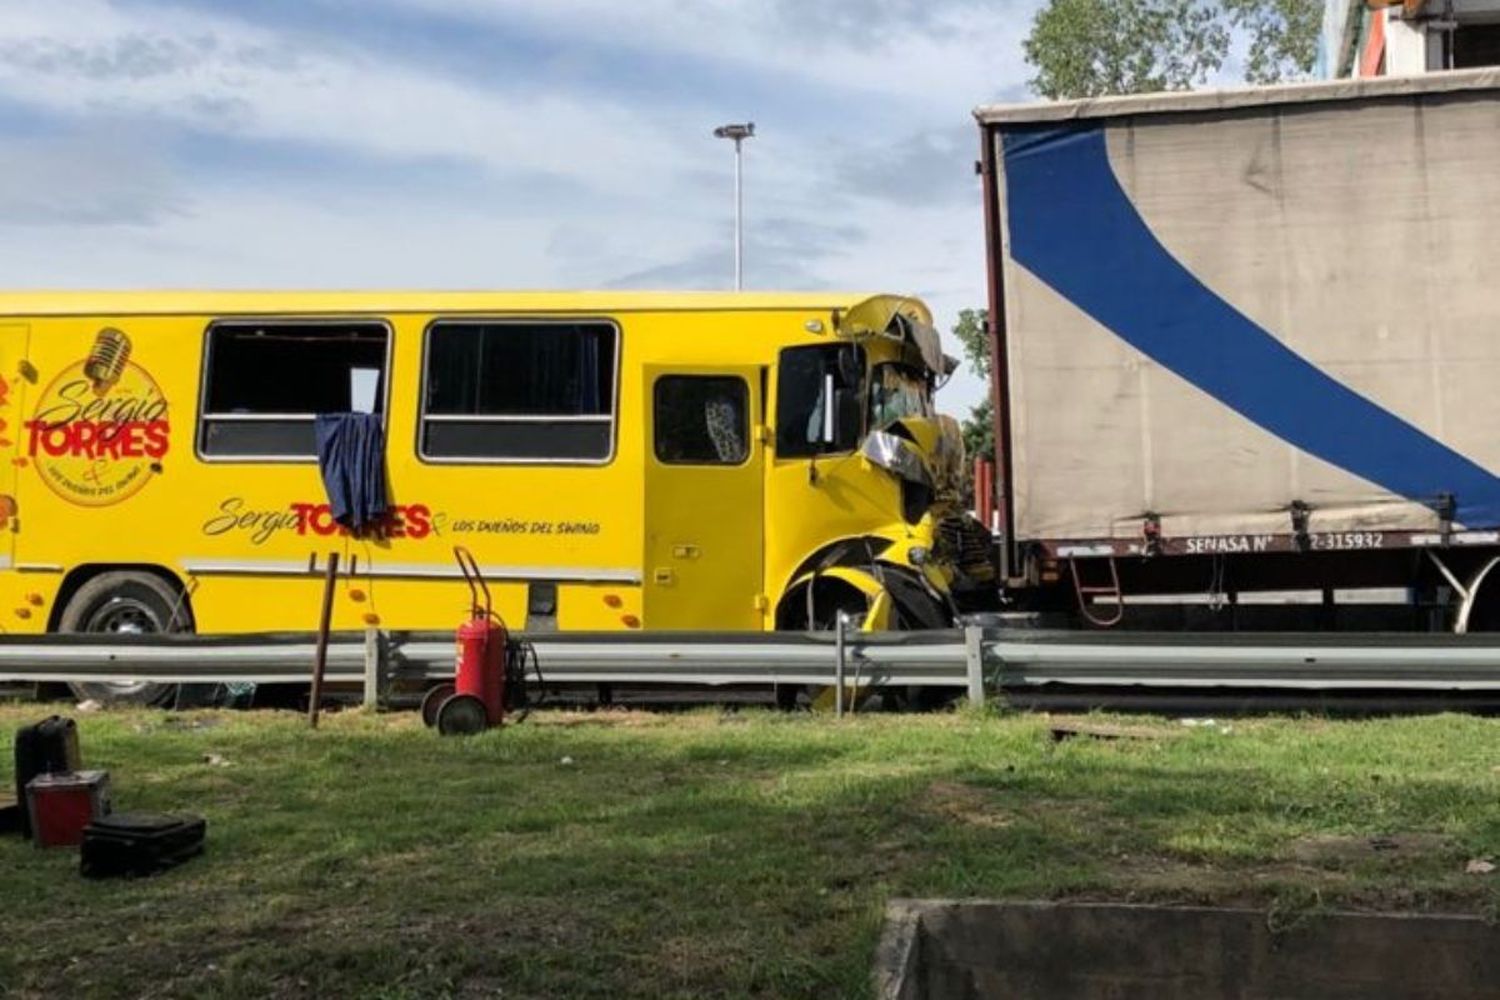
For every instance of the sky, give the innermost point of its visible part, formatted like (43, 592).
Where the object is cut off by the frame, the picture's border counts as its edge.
(501, 144)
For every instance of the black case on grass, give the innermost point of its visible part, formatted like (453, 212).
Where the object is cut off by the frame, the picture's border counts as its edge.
(43, 748)
(10, 814)
(139, 843)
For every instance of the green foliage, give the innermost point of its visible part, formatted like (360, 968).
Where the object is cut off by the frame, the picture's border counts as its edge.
(1089, 48)
(979, 431)
(1283, 36)
(972, 333)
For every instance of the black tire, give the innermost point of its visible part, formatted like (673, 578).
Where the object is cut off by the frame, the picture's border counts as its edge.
(124, 602)
(462, 715)
(801, 697)
(433, 700)
(922, 612)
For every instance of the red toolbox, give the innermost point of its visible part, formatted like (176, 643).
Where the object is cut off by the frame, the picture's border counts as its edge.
(61, 804)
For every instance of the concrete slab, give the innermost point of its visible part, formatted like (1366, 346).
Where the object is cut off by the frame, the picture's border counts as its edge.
(946, 950)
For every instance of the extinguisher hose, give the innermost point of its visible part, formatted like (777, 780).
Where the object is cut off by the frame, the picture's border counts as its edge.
(518, 654)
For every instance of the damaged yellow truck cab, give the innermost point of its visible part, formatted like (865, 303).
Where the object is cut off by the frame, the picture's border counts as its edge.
(612, 460)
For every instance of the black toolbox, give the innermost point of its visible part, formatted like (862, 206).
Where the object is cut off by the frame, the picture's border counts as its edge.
(10, 814)
(139, 843)
(44, 748)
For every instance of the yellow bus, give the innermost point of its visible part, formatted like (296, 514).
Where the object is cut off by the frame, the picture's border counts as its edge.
(612, 460)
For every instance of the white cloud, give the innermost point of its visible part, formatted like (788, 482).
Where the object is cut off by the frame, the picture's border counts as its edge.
(949, 54)
(218, 75)
(575, 186)
(64, 181)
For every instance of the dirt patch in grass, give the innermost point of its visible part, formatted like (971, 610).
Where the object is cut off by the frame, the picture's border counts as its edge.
(955, 802)
(611, 717)
(1067, 730)
(1159, 877)
(1421, 871)
(1343, 851)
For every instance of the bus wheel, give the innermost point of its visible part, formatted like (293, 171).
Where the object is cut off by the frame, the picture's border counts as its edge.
(824, 618)
(125, 603)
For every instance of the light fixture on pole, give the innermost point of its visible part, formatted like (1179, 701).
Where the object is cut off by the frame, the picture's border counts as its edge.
(739, 133)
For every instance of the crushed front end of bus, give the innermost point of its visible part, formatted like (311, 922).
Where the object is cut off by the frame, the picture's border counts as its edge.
(870, 483)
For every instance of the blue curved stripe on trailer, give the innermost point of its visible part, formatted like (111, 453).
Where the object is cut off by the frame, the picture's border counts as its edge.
(1073, 226)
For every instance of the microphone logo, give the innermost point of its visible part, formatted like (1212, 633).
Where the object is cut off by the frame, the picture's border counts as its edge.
(99, 447)
(106, 362)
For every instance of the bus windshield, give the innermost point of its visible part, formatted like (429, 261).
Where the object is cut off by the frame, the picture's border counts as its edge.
(897, 391)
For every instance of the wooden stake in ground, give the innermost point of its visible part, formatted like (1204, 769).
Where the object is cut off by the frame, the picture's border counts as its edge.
(320, 659)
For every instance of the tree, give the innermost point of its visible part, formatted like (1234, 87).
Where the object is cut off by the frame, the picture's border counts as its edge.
(1284, 37)
(1088, 48)
(972, 332)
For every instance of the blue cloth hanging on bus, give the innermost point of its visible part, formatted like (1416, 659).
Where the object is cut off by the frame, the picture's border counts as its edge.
(351, 457)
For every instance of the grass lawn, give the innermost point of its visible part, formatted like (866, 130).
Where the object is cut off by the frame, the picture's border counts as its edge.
(623, 854)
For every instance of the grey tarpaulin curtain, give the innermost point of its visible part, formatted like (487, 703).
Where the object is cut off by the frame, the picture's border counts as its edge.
(351, 457)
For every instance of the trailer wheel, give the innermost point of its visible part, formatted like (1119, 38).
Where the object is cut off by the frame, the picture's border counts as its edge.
(125, 603)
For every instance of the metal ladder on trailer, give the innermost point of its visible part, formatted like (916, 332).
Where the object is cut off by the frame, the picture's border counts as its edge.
(1086, 592)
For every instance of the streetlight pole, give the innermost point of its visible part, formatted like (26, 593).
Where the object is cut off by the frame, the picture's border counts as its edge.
(739, 133)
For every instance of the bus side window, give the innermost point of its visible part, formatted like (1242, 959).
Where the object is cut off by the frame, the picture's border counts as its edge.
(701, 420)
(264, 383)
(519, 391)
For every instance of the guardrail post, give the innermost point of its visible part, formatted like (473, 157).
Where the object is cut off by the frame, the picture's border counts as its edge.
(840, 622)
(974, 655)
(374, 668)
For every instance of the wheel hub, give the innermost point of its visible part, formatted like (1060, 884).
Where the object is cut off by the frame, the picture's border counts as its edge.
(124, 616)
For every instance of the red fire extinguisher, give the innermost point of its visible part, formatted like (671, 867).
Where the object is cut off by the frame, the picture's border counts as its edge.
(476, 698)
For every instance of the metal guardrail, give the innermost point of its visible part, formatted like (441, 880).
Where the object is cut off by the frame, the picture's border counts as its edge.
(379, 659)
(978, 659)
(177, 659)
(1332, 662)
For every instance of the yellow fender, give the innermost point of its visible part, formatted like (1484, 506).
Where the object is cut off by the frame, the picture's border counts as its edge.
(878, 607)
(878, 604)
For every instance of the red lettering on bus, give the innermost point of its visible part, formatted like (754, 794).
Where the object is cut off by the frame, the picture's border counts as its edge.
(418, 520)
(99, 439)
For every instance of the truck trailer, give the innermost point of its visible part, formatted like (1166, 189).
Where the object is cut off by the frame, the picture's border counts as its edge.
(1248, 340)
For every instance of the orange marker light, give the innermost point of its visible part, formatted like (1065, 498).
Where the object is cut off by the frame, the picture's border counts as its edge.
(372, 619)
(356, 594)
(613, 600)
(23, 612)
(631, 621)
(35, 600)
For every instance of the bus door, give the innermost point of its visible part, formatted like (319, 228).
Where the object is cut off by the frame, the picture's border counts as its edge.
(16, 376)
(705, 483)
